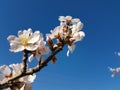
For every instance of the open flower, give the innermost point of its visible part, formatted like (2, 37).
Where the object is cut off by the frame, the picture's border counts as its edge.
(12, 71)
(26, 40)
(41, 50)
(69, 31)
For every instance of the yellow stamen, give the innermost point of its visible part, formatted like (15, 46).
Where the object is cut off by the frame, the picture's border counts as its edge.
(24, 40)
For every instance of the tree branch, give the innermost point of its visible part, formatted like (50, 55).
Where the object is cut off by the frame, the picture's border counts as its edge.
(31, 71)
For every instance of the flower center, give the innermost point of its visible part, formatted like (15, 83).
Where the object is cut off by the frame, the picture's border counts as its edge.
(24, 40)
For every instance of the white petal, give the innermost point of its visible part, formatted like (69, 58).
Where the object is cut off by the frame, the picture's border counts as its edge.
(16, 48)
(68, 17)
(20, 33)
(76, 20)
(79, 26)
(82, 34)
(31, 78)
(11, 38)
(68, 52)
(28, 79)
(29, 30)
(30, 58)
(31, 47)
(38, 56)
(35, 37)
(1, 78)
(45, 50)
(50, 36)
(5, 70)
(61, 18)
(70, 49)
(26, 33)
(78, 36)
(111, 69)
(16, 68)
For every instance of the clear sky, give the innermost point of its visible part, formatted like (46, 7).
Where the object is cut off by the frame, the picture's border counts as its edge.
(87, 67)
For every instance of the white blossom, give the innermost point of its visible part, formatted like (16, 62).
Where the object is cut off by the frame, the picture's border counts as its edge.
(12, 71)
(114, 71)
(64, 19)
(41, 50)
(70, 30)
(5, 70)
(26, 40)
(57, 31)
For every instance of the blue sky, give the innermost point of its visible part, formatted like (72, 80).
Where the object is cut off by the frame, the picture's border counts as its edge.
(87, 67)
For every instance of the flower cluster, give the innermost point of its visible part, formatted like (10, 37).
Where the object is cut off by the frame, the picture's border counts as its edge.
(68, 31)
(8, 74)
(32, 44)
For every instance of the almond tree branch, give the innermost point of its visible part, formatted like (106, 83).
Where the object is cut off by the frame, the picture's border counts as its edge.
(26, 72)
(42, 65)
(12, 82)
(24, 61)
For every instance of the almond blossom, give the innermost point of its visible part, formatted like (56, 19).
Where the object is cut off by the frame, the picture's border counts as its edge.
(13, 70)
(41, 50)
(69, 30)
(26, 40)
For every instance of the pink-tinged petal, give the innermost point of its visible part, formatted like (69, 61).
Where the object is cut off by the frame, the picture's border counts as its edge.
(16, 48)
(31, 47)
(11, 38)
(15, 41)
(34, 38)
(17, 68)
(45, 50)
(26, 87)
(38, 56)
(5, 70)
(1, 78)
